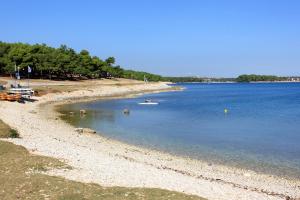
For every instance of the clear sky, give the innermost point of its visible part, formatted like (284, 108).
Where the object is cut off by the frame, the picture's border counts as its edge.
(168, 37)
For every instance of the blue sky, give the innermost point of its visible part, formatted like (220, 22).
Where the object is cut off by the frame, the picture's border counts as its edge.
(168, 37)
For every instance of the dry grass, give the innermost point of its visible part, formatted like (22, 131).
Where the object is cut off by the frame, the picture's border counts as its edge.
(20, 178)
(43, 90)
(46, 86)
(4, 130)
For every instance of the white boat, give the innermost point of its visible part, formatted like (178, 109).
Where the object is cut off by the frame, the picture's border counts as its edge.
(148, 102)
(25, 92)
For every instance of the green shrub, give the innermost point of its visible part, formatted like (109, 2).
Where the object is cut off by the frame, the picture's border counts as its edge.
(13, 133)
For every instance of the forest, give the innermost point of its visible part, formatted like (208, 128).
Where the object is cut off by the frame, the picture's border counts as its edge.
(61, 63)
(64, 63)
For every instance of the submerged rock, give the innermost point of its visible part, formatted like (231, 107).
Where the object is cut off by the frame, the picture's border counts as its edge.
(82, 111)
(126, 111)
(79, 130)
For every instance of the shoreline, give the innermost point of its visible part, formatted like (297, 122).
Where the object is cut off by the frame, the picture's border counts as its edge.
(112, 163)
(57, 106)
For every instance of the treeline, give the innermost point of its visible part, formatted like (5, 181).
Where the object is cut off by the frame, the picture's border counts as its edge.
(65, 63)
(241, 78)
(183, 79)
(61, 63)
(256, 78)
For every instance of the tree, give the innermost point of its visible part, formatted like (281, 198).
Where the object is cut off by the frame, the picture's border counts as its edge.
(61, 63)
(110, 61)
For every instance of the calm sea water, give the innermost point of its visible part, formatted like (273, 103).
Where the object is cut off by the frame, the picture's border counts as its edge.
(261, 130)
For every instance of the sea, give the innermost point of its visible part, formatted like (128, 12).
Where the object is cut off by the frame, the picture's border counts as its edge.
(254, 126)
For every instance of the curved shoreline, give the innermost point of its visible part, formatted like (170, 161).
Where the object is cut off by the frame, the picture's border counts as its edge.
(210, 160)
(112, 163)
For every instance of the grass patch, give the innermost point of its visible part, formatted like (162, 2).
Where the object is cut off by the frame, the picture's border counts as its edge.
(13, 133)
(7, 132)
(4, 130)
(20, 179)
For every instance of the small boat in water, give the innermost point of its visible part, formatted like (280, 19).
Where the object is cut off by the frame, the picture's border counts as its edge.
(148, 102)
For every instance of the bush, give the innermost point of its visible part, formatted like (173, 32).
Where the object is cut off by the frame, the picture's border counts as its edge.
(13, 133)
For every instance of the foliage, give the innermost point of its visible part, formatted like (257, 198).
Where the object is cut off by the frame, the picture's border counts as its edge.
(61, 63)
(13, 133)
(65, 63)
(254, 78)
(130, 74)
(183, 79)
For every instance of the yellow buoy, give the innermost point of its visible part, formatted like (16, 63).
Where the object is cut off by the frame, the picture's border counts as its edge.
(225, 111)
